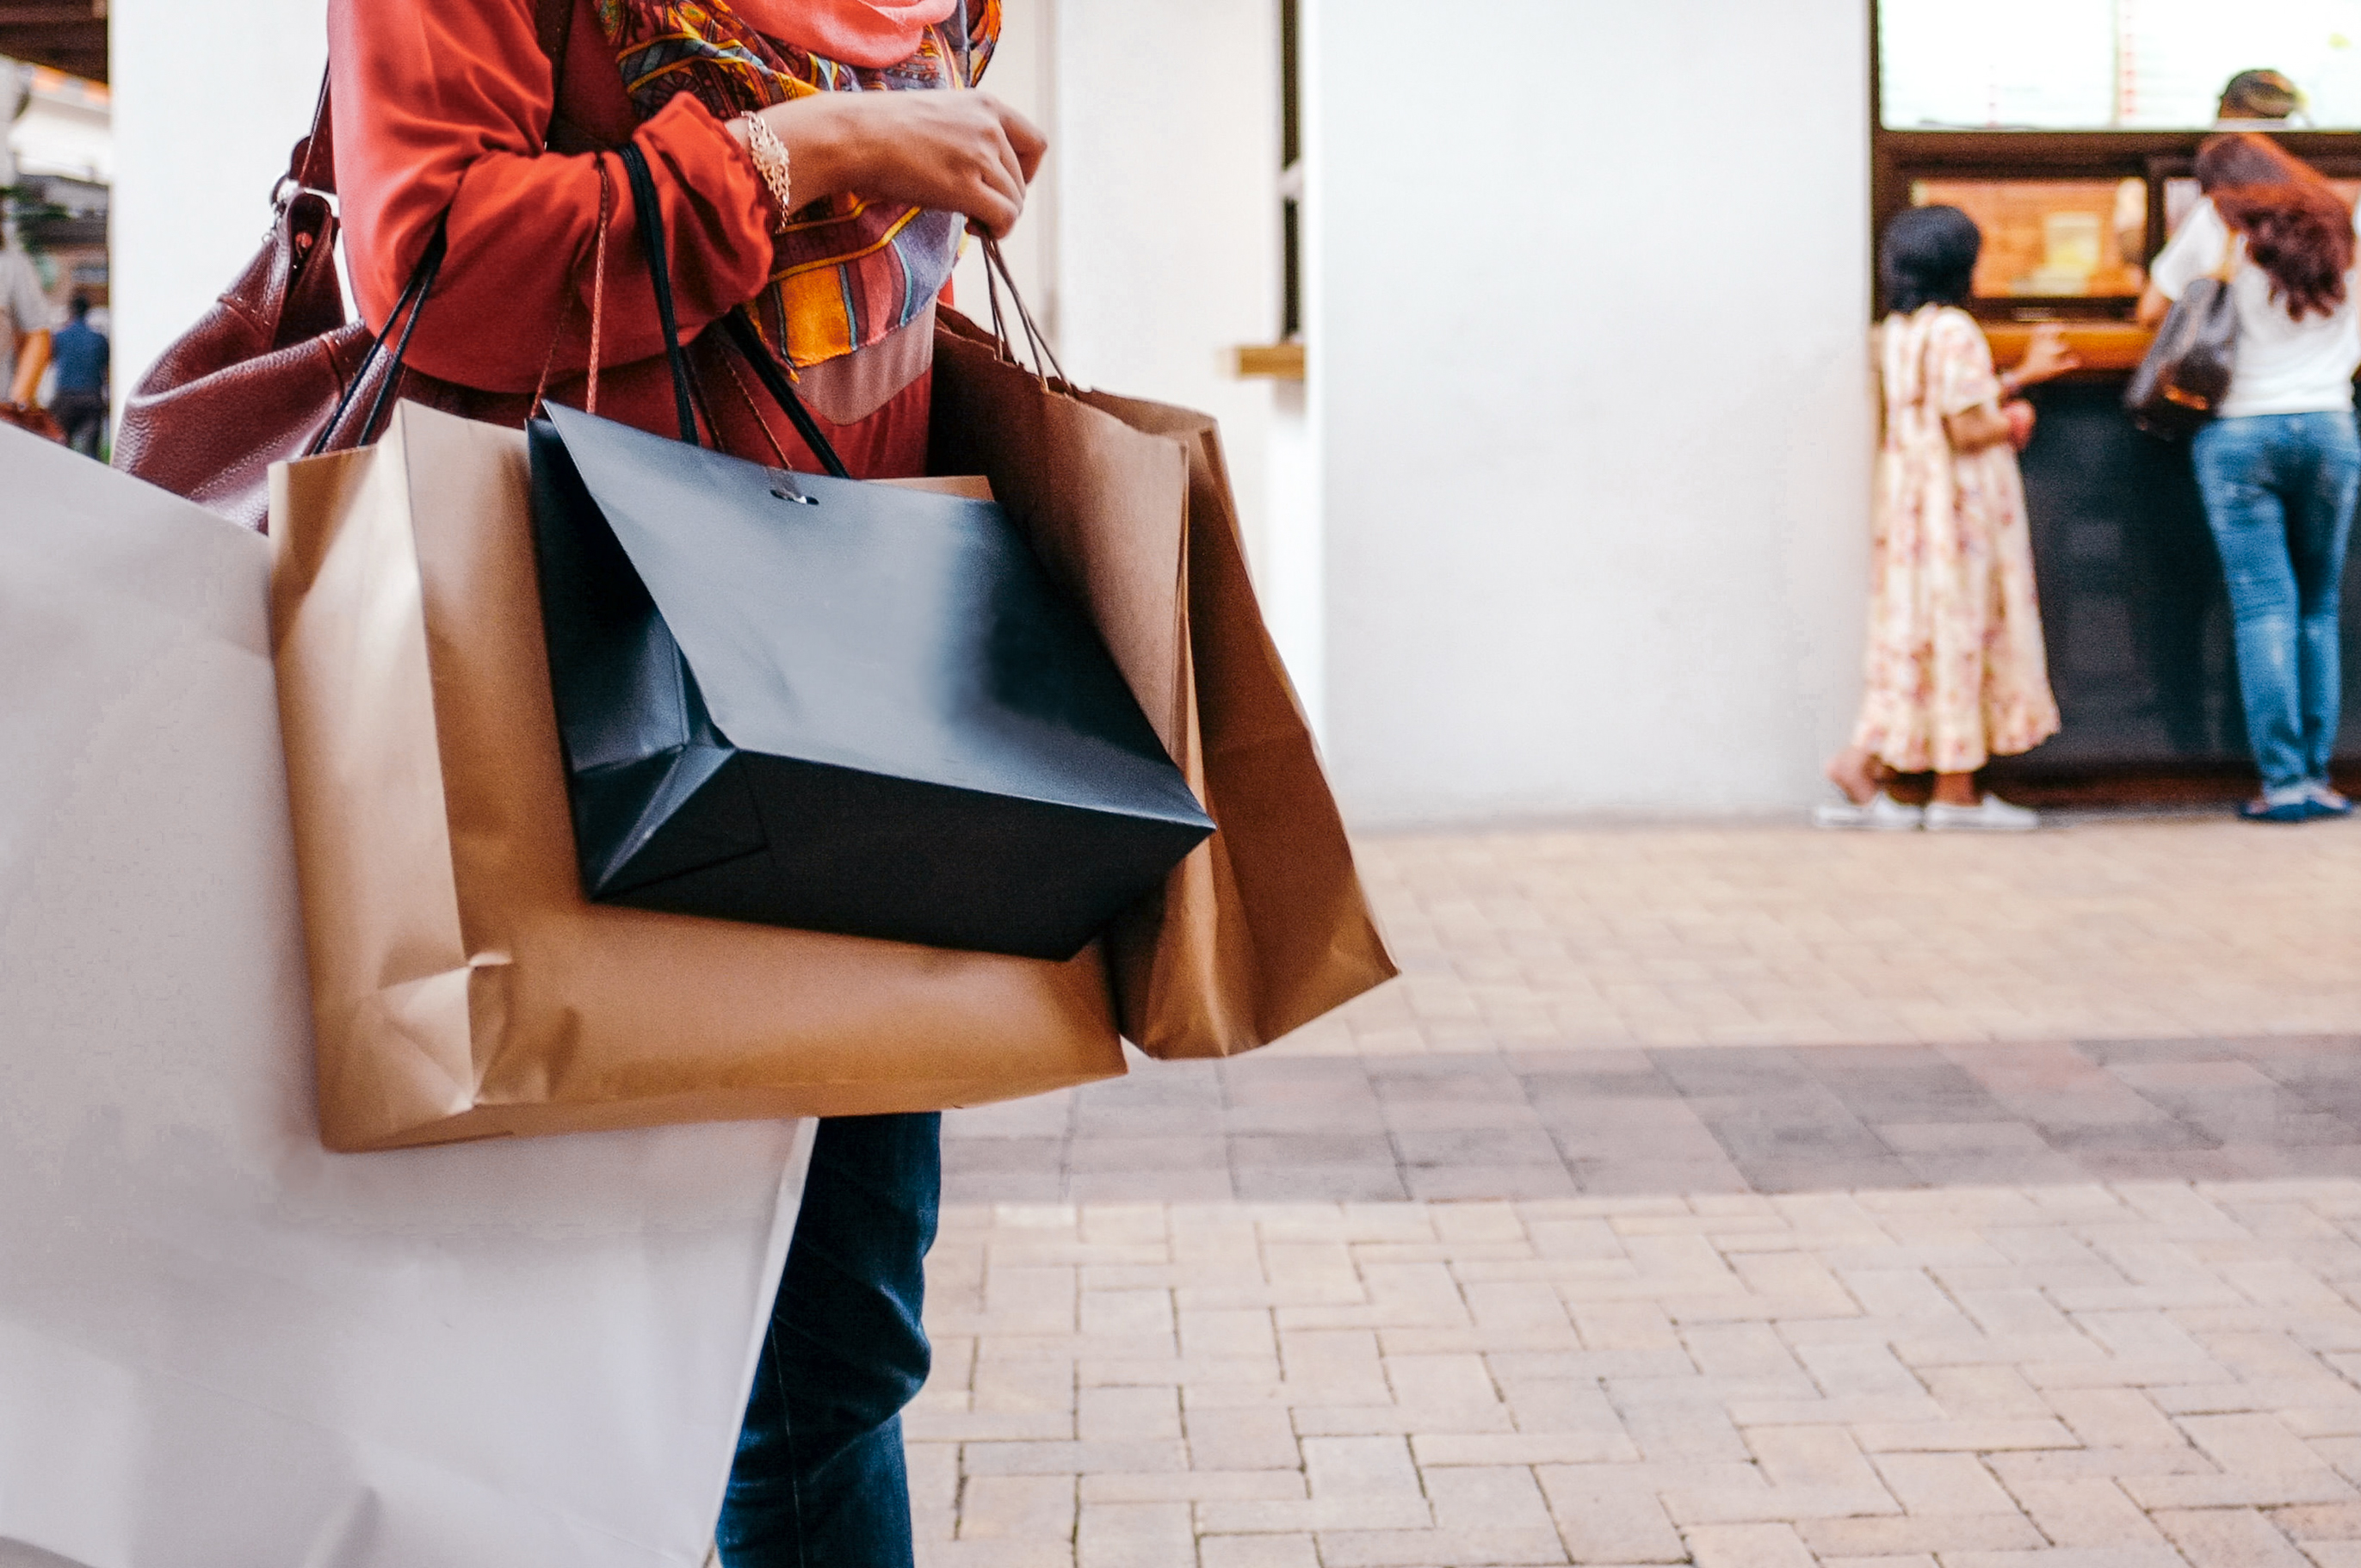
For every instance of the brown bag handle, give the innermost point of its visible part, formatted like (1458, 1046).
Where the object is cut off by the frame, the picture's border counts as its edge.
(1045, 358)
(406, 311)
(995, 265)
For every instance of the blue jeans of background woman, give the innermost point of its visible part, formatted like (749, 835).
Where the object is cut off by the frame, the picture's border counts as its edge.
(2280, 492)
(819, 1480)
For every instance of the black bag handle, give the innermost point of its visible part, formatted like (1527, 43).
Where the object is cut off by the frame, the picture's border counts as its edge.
(651, 248)
(739, 324)
(758, 354)
(406, 312)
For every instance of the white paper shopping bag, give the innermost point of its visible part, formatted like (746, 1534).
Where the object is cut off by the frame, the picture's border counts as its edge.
(221, 1346)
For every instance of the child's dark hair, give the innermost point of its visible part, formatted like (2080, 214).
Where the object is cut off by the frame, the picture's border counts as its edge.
(1929, 258)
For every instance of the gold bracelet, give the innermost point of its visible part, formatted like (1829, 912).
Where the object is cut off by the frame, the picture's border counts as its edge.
(770, 158)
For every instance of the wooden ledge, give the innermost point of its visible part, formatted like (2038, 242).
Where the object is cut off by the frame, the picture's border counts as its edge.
(1271, 361)
(2102, 346)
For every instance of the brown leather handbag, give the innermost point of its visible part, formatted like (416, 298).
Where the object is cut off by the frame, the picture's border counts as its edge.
(275, 370)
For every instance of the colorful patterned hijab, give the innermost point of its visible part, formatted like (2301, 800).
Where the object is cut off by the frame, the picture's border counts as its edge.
(848, 272)
(874, 33)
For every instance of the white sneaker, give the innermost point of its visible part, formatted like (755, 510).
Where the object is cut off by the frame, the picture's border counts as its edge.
(1991, 815)
(1883, 814)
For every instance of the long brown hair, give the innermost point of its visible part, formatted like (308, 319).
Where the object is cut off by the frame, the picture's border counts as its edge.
(2299, 231)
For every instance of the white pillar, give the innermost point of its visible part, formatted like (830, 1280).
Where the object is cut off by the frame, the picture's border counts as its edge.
(1294, 577)
(1168, 210)
(1592, 401)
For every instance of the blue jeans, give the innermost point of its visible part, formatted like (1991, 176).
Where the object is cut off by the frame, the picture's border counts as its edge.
(820, 1481)
(2278, 493)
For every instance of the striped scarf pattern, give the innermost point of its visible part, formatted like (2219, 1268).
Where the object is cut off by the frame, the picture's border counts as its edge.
(847, 271)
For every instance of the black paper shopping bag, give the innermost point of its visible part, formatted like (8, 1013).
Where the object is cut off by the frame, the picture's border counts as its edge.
(830, 705)
(836, 706)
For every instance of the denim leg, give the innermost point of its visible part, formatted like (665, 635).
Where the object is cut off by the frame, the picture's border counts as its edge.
(2319, 520)
(2234, 462)
(818, 1480)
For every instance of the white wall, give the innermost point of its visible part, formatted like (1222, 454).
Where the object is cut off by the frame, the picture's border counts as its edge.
(209, 97)
(1168, 210)
(1592, 401)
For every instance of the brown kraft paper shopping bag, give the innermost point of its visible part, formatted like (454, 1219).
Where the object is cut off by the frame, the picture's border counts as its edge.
(462, 985)
(1266, 927)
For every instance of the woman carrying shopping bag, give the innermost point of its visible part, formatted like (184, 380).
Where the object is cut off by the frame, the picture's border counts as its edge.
(811, 163)
(2280, 465)
(1956, 672)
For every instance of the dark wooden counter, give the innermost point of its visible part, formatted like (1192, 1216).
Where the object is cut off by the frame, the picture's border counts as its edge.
(2132, 599)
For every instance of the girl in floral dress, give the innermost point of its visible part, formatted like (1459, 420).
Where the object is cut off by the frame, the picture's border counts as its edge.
(1955, 670)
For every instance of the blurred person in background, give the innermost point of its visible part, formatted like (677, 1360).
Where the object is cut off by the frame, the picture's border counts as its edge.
(2280, 466)
(2259, 95)
(24, 324)
(1956, 672)
(80, 352)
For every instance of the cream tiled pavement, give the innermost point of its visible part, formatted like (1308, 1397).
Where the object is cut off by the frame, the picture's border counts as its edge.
(1774, 935)
(1758, 1198)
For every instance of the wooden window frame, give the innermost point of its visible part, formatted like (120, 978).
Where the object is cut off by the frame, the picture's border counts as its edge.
(1283, 359)
(1291, 170)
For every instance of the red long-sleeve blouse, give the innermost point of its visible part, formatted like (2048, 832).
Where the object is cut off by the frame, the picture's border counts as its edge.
(445, 104)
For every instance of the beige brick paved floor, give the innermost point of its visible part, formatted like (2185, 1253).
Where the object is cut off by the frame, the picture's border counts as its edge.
(1981, 1377)
(1745, 1197)
(1756, 934)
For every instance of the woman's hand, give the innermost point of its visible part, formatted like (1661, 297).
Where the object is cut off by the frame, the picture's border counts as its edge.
(1975, 429)
(2019, 414)
(1989, 424)
(2046, 358)
(960, 152)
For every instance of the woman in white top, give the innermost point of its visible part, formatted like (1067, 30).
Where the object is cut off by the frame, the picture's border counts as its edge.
(2279, 468)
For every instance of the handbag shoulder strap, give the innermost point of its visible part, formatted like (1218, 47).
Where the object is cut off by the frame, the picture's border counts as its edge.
(313, 165)
(552, 23)
(553, 28)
